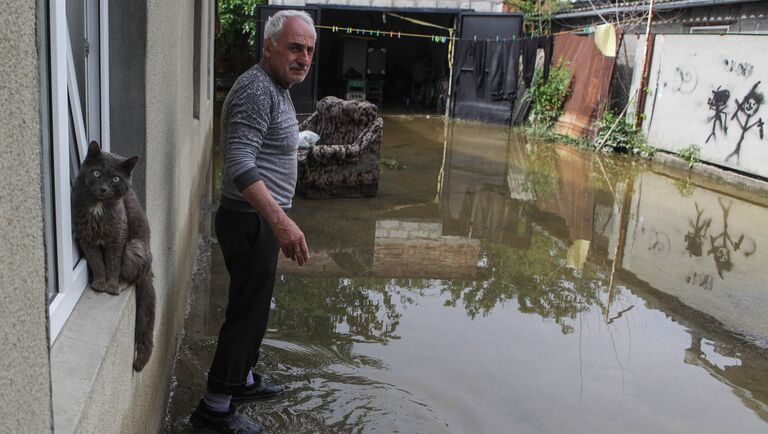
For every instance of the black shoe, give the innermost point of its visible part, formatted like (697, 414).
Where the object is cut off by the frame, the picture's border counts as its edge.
(257, 390)
(229, 422)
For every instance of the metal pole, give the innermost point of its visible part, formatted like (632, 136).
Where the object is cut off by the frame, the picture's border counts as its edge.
(448, 99)
(646, 65)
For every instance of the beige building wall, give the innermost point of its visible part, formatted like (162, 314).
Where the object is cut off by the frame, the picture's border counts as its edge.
(84, 382)
(25, 405)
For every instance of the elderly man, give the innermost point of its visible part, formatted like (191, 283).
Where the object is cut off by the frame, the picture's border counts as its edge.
(259, 138)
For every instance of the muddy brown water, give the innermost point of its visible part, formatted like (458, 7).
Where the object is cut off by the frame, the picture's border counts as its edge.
(500, 286)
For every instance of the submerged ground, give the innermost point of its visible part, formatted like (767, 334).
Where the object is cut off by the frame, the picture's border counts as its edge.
(500, 286)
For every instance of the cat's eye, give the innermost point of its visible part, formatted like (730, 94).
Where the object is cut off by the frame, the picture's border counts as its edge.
(115, 179)
(96, 174)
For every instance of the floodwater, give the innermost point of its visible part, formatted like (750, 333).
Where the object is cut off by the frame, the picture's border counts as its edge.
(499, 286)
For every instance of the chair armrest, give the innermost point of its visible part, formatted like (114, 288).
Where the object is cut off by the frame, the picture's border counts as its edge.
(310, 123)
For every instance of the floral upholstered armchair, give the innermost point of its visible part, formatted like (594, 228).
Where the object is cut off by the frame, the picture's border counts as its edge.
(345, 160)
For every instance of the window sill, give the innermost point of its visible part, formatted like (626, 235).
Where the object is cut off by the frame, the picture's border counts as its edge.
(84, 351)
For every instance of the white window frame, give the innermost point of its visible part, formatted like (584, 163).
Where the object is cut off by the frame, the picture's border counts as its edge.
(709, 30)
(72, 272)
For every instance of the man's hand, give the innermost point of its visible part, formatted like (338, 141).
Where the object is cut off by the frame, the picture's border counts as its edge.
(291, 240)
(288, 234)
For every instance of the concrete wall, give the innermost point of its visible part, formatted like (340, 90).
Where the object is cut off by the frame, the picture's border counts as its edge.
(25, 405)
(177, 164)
(686, 74)
(93, 386)
(477, 5)
(678, 256)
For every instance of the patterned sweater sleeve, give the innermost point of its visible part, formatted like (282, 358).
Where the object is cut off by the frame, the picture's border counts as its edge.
(249, 116)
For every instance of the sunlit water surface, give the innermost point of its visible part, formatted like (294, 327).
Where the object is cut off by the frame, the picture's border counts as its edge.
(499, 286)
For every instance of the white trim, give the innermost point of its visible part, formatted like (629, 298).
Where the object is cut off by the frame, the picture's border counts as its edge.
(104, 79)
(699, 30)
(74, 103)
(60, 122)
(64, 303)
(72, 278)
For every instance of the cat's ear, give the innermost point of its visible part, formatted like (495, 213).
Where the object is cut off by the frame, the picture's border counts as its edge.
(129, 164)
(94, 150)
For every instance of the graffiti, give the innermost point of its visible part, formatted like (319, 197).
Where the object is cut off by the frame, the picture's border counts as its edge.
(723, 246)
(661, 242)
(686, 80)
(747, 108)
(694, 239)
(717, 103)
(704, 281)
(742, 69)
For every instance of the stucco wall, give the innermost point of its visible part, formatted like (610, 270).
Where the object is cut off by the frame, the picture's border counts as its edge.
(177, 161)
(25, 405)
(175, 149)
(689, 74)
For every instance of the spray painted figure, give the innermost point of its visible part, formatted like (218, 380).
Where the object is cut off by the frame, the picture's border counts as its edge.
(717, 103)
(694, 239)
(748, 109)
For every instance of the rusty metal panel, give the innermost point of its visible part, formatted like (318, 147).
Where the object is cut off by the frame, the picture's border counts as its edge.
(590, 83)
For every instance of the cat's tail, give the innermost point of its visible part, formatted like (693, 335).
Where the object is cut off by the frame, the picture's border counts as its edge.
(137, 268)
(145, 321)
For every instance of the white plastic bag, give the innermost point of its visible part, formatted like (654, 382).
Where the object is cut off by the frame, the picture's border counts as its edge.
(307, 139)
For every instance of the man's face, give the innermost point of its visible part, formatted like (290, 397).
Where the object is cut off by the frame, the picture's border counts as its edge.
(288, 59)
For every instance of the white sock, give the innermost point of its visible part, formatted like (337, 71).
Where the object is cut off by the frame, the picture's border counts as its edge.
(218, 402)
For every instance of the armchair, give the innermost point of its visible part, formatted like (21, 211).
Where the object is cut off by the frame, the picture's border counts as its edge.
(345, 161)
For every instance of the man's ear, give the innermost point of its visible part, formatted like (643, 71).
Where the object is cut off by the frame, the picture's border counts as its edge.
(94, 151)
(129, 164)
(266, 52)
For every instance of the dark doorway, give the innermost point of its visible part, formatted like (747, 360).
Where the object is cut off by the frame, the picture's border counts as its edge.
(404, 74)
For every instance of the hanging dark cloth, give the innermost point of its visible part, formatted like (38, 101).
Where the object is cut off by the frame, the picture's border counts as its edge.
(530, 49)
(503, 70)
(462, 52)
(547, 44)
(479, 49)
(476, 50)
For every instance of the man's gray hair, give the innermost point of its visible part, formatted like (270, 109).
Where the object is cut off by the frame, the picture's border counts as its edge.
(275, 22)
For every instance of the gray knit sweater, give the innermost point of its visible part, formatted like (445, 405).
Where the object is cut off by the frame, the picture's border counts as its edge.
(259, 138)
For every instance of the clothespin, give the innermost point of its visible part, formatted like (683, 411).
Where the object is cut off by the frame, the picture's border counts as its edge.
(398, 35)
(497, 38)
(475, 37)
(349, 30)
(391, 34)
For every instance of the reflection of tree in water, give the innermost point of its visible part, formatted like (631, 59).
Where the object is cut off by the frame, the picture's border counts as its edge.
(541, 175)
(536, 279)
(337, 310)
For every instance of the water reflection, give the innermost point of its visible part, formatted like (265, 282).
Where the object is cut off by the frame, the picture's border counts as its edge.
(496, 285)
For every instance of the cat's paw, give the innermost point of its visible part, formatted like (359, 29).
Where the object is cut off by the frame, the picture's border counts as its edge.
(99, 285)
(114, 288)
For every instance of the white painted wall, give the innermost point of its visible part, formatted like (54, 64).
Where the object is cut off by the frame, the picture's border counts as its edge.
(685, 72)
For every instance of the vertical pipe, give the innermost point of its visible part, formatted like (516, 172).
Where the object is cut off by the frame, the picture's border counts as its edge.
(646, 65)
(448, 98)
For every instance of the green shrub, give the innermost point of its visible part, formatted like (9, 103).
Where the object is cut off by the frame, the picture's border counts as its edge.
(691, 154)
(614, 132)
(548, 98)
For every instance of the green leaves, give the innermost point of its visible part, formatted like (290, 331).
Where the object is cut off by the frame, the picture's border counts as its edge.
(547, 99)
(238, 23)
(691, 154)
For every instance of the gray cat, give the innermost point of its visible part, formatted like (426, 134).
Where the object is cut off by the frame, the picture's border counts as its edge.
(113, 233)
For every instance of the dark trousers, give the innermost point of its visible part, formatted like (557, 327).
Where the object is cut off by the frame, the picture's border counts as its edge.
(250, 253)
